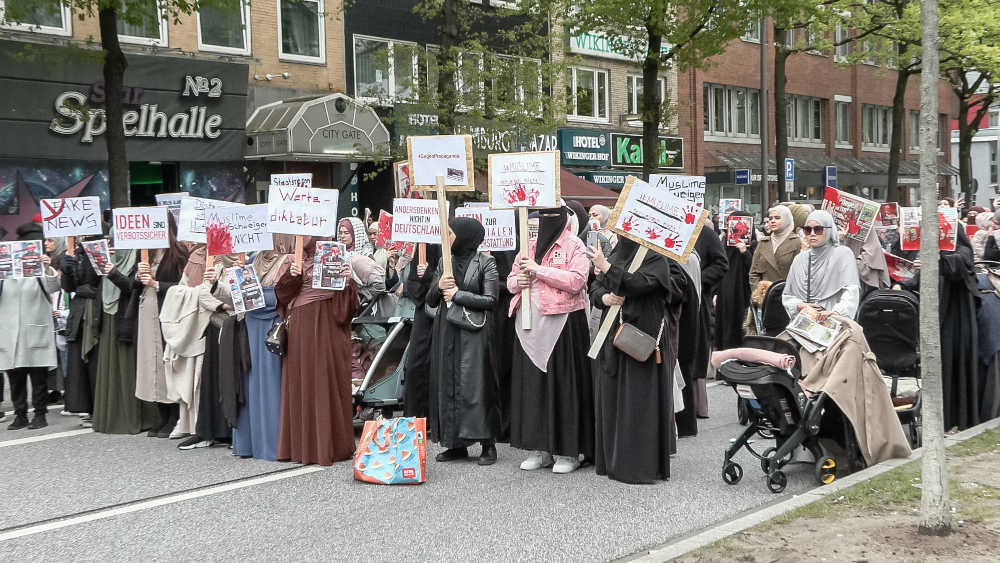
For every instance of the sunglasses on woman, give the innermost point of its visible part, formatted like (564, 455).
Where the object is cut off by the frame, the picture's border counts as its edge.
(810, 230)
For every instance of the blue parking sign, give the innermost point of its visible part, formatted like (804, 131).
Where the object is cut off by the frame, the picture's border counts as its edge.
(790, 169)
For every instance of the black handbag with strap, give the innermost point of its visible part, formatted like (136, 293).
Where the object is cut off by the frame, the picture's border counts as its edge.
(277, 338)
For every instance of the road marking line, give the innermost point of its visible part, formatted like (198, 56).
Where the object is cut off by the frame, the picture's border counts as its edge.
(101, 514)
(44, 437)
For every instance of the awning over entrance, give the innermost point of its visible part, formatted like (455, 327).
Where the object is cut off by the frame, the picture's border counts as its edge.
(588, 193)
(321, 128)
(810, 163)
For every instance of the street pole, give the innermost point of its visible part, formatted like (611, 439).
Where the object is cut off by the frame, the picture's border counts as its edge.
(764, 191)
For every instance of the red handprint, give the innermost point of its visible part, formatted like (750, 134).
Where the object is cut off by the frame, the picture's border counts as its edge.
(627, 224)
(670, 241)
(652, 234)
(689, 217)
(517, 194)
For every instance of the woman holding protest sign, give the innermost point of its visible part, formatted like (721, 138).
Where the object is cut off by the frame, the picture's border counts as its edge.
(367, 274)
(734, 291)
(464, 407)
(552, 402)
(316, 405)
(83, 328)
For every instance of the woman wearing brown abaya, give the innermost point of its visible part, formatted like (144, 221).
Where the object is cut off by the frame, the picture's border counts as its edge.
(316, 408)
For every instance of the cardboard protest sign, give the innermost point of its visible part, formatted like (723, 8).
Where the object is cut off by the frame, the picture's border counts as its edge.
(657, 220)
(416, 220)
(971, 230)
(244, 287)
(232, 230)
(21, 259)
(71, 216)
(401, 177)
(449, 156)
(727, 206)
(97, 253)
(302, 211)
(172, 201)
(300, 180)
(909, 228)
(384, 236)
(900, 269)
(690, 188)
(191, 226)
(524, 179)
(499, 224)
(141, 227)
(739, 228)
(328, 265)
(854, 214)
(888, 216)
(947, 228)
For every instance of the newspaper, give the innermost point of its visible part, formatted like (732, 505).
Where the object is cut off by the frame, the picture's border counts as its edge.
(814, 336)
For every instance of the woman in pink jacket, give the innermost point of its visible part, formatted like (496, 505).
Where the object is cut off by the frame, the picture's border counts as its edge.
(552, 402)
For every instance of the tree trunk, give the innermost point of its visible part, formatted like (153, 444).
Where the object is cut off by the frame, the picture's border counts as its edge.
(650, 93)
(965, 135)
(780, 112)
(896, 143)
(447, 59)
(114, 81)
(935, 512)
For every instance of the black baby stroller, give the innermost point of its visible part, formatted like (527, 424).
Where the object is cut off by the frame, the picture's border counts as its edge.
(890, 319)
(779, 409)
(771, 320)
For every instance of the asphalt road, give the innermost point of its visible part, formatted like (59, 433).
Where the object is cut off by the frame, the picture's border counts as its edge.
(68, 494)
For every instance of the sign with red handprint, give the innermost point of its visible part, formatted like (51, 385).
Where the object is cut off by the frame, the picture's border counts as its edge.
(909, 228)
(657, 219)
(524, 179)
(853, 214)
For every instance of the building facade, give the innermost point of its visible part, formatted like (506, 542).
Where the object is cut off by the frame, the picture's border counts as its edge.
(985, 156)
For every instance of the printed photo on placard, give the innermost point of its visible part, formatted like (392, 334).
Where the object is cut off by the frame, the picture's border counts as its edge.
(97, 253)
(328, 266)
(29, 255)
(739, 228)
(6, 261)
(244, 288)
(851, 213)
(449, 156)
(888, 215)
(909, 228)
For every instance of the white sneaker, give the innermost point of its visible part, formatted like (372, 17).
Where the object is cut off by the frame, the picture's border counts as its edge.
(195, 445)
(4, 416)
(65, 412)
(565, 464)
(537, 460)
(83, 414)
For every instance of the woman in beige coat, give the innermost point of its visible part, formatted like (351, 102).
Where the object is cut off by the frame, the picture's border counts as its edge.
(775, 252)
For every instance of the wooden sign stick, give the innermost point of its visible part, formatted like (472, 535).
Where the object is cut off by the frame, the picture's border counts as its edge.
(443, 215)
(70, 246)
(299, 243)
(422, 254)
(209, 260)
(522, 225)
(144, 256)
(609, 319)
(243, 259)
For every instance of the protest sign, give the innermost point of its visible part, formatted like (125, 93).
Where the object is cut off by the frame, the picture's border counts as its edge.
(909, 228)
(971, 230)
(172, 201)
(384, 237)
(727, 206)
(690, 188)
(191, 225)
(947, 228)
(97, 253)
(524, 179)
(739, 228)
(21, 259)
(244, 287)
(300, 180)
(657, 220)
(141, 227)
(302, 211)
(499, 225)
(448, 156)
(233, 230)
(416, 220)
(854, 214)
(900, 269)
(888, 216)
(71, 216)
(401, 177)
(328, 263)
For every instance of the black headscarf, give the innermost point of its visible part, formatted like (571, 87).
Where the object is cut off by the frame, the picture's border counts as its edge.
(581, 217)
(469, 234)
(551, 223)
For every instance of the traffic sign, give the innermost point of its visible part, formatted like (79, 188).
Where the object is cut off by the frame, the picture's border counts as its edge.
(741, 177)
(789, 186)
(830, 176)
(790, 169)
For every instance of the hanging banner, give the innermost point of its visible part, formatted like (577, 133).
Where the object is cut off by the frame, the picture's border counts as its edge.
(739, 229)
(524, 179)
(441, 155)
(140, 227)
(854, 214)
(416, 220)
(71, 216)
(909, 228)
(690, 188)
(302, 211)
(900, 269)
(657, 220)
(232, 230)
(299, 180)
(172, 201)
(501, 233)
(191, 225)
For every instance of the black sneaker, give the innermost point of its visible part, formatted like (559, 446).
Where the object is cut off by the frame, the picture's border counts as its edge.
(20, 421)
(38, 422)
(192, 443)
(55, 397)
(452, 454)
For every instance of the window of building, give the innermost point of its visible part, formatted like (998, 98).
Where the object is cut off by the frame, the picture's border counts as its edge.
(868, 54)
(844, 119)
(841, 52)
(150, 27)
(516, 81)
(469, 81)
(587, 94)
(752, 29)
(805, 119)
(876, 125)
(914, 130)
(731, 111)
(994, 164)
(385, 71)
(224, 31)
(994, 118)
(42, 16)
(302, 31)
(634, 92)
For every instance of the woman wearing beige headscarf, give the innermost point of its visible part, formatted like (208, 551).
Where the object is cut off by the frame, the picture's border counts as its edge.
(775, 252)
(979, 239)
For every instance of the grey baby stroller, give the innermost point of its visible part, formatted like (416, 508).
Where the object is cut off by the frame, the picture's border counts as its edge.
(379, 356)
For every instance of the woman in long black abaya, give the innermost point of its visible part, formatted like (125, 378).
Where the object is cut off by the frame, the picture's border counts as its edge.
(417, 371)
(634, 399)
(958, 301)
(734, 293)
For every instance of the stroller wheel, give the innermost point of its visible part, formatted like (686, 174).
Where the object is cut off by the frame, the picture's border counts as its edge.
(826, 470)
(765, 460)
(776, 482)
(732, 473)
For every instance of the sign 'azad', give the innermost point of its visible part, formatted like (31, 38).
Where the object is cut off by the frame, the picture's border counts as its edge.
(626, 150)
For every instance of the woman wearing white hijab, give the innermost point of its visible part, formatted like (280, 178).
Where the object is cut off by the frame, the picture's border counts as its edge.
(775, 252)
(824, 278)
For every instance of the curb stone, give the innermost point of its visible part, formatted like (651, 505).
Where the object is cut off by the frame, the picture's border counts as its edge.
(698, 540)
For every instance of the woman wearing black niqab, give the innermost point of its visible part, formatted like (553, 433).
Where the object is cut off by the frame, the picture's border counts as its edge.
(734, 292)
(463, 403)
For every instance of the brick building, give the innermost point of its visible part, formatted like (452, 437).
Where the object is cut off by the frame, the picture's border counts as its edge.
(837, 116)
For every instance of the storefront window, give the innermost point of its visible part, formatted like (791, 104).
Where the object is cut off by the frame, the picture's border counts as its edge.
(302, 32)
(224, 30)
(634, 92)
(43, 16)
(588, 94)
(143, 23)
